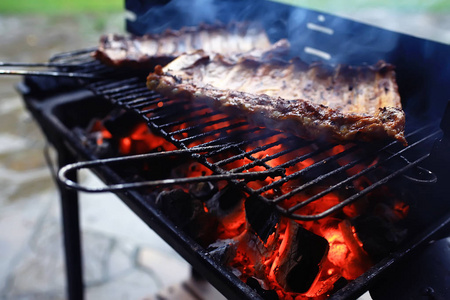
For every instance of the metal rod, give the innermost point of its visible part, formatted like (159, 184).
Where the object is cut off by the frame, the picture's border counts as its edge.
(317, 196)
(213, 132)
(350, 199)
(307, 169)
(71, 229)
(113, 86)
(240, 145)
(49, 74)
(141, 95)
(204, 124)
(73, 54)
(63, 172)
(165, 182)
(189, 119)
(31, 65)
(245, 154)
(178, 104)
(291, 210)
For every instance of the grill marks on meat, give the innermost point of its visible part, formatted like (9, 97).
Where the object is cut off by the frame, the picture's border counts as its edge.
(311, 101)
(152, 49)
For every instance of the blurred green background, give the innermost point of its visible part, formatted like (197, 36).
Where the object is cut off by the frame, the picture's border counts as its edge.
(399, 5)
(60, 6)
(97, 6)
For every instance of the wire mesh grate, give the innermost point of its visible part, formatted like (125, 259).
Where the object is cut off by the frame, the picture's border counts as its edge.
(312, 170)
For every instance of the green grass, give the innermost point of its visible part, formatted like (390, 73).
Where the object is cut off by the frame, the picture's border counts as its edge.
(97, 6)
(60, 6)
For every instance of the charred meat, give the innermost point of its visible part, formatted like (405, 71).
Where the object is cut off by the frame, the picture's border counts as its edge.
(341, 104)
(152, 49)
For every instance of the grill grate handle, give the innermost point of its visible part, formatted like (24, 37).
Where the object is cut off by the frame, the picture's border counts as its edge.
(48, 72)
(249, 176)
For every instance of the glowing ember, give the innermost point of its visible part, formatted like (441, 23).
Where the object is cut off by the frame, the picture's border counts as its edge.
(401, 209)
(338, 249)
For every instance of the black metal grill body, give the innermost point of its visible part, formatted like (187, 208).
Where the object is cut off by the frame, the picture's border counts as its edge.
(421, 85)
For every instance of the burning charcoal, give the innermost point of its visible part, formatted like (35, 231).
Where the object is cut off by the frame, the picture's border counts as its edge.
(94, 141)
(231, 218)
(225, 201)
(178, 206)
(223, 251)
(189, 214)
(203, 190)
(228, 197)
(122, 122)
(356, 261)
(262, 217)
(300, 258)
(265, 294)
(378, 236)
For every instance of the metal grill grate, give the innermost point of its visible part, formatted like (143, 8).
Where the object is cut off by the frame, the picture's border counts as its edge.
(313, 171)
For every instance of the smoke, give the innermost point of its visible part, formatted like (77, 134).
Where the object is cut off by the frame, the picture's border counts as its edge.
(179, 13)
(422, 67)
(313, 35)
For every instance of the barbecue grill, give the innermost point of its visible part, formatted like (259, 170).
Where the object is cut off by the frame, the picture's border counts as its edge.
(84, 89)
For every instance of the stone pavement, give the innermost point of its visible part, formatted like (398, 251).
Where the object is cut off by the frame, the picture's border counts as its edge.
(124, 259)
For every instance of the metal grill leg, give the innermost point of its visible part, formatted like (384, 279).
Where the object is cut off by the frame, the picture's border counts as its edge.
(71, 229)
